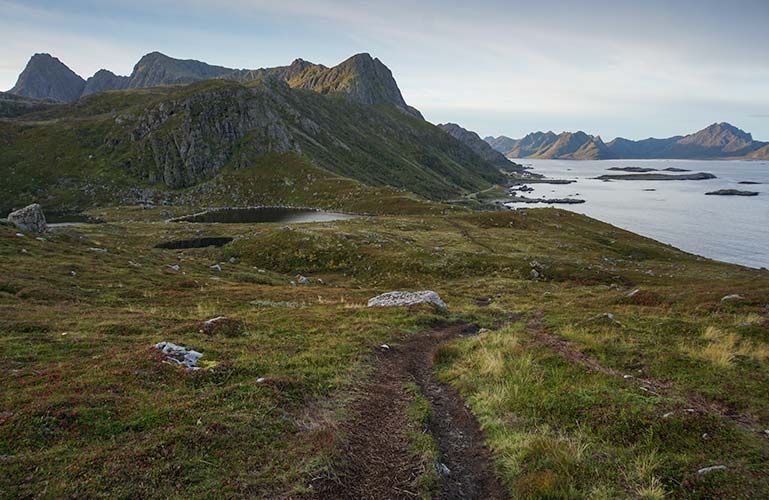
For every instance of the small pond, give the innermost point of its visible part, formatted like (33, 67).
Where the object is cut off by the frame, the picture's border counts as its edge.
(59, 219)
(263, 215)
(194, 243)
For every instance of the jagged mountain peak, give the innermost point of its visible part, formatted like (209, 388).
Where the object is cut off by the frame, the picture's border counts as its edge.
(46, 77)
(362, 77)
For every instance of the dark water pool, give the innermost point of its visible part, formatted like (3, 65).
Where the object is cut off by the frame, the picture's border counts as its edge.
(69, 219)
(263, 215)
(194, 243)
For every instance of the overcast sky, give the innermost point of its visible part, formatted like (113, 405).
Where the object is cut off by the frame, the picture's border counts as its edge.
(615, 68)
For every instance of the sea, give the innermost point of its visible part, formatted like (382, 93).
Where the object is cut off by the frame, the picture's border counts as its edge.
(727, 228)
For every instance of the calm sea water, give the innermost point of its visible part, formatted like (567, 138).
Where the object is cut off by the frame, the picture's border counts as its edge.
(727, 228)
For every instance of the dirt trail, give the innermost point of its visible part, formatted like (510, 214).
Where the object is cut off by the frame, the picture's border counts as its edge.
(377, 462)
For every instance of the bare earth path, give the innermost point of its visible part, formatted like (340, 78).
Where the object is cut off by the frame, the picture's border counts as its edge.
(376, 460)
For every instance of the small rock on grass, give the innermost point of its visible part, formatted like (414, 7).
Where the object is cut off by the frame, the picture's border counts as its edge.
(713, 468)
(179, 355)
(733, 296)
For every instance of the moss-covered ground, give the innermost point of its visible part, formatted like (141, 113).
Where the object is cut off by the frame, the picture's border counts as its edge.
(574, 403)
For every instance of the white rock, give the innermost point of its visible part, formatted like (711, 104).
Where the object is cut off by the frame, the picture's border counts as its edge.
(175, 267)
(98, 250)
(384, 346)
(216, 267)
(302, 280)
(397, 299)
(713, 468)
(733, 296)
(29, 218)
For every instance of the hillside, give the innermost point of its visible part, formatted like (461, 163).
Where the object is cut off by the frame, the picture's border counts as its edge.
(719, 140)
(478, 145)
(107, 147)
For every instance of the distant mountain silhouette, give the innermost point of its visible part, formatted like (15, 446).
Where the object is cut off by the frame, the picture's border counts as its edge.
(720, 140)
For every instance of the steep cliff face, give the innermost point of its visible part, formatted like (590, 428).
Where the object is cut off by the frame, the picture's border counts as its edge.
(196, 132)
(185, 141)
(45, 77)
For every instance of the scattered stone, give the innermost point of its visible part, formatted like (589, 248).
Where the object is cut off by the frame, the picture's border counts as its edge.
(302, 280)
(222, 325)
(633, 292)
(442, 469)
(21, 235)
(260, 380)
(384, 346)
(535, 274)
(97, 250)
(734, 296)
(24, 250)
(40, 238)
(179, 355)
(397, 299)
(175, 267)
(73, 273)
(29, 218)
(713, 468)
(233, 260)
(134, 264)
(217, 268)
(668, 414)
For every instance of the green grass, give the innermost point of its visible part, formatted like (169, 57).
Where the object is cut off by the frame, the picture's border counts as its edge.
(90, 408)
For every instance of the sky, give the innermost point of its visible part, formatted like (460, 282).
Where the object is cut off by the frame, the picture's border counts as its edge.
(634, 69)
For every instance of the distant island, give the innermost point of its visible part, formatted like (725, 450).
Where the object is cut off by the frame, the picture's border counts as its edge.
(718, 141)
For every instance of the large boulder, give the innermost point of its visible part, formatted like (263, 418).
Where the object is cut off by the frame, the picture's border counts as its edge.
(399, 299)
(29, 218)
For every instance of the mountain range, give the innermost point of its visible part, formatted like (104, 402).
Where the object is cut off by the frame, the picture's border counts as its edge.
(719, 140)
(175, 127)
(363, 78)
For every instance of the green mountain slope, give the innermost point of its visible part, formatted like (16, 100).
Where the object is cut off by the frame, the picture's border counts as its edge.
(110, 146)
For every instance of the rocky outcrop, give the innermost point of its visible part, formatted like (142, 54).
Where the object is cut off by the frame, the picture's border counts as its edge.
(405, 299)
(206, 128)
(29, 218)
(45, 77)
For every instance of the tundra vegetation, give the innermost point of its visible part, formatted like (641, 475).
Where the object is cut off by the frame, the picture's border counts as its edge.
(608, 365)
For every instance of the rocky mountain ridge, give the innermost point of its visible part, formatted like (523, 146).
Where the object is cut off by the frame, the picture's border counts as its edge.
(478, 145)
(361, 77)
(719, 140)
